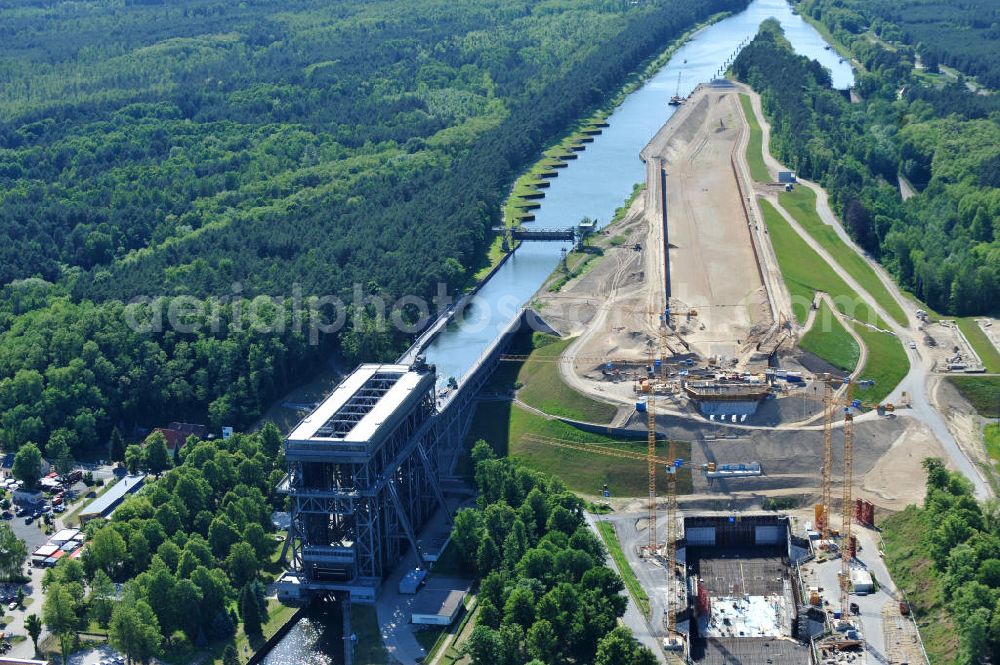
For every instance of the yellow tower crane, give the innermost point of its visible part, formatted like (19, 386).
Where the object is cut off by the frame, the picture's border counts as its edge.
(823, 515)
(847, 514)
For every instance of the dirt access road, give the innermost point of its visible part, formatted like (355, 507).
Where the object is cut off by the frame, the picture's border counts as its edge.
(917, 384)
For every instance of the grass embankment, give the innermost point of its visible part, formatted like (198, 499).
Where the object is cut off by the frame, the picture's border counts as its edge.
(980, 342)
(506, 427)
(801, 204)
(755, 146)
(829, 340)
(887, 364)
(607, 530)
(805, 272)
(983, 392)
(539, 384)
(991, 438)
(913, 571)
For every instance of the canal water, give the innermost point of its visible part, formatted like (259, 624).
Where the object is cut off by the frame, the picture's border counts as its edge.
(593, 185)
(596, 183)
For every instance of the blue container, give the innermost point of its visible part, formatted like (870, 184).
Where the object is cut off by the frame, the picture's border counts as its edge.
(836, 615)
(657, 363)
(640, 407)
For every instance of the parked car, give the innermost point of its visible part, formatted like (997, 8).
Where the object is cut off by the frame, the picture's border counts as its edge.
(59, 509)
(29, 519)
(12, 606)
(22, 511)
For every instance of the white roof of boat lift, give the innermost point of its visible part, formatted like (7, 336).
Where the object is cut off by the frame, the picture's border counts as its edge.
(408, 385)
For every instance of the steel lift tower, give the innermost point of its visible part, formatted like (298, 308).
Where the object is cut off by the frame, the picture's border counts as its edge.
(363, 480)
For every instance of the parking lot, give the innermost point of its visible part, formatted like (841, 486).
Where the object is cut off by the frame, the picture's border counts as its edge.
(103, 655)
(34, 537)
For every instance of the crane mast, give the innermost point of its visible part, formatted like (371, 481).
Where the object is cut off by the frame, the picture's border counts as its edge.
(827, 485)
(651, 460)
(847, 546)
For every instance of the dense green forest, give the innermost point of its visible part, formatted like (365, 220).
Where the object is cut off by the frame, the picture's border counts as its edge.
(943, 244)
(946, 556)
(190, 549)
(962, 35)
(546, 595)
(226, 150)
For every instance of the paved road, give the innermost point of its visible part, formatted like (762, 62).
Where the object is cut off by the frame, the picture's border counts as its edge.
(915, 384)
(634, 618)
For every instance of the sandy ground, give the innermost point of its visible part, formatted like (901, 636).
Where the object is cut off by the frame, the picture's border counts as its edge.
(897, 479)
(713, 269)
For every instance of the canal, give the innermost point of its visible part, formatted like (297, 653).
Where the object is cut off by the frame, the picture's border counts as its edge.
(593, 185)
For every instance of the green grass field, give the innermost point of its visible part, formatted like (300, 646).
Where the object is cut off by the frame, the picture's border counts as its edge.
(913, 571)
(887, 364)
(991, 438)
(506, 426)
(829, 340)
(607, 530)
(755, 155)
(543, 388)
(801, 204)
(805, 272)
(983, 392)
(980, 342)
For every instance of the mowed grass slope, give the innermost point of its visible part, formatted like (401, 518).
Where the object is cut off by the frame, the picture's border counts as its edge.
(829, 340)
(983, 392)
(755, 146)
(507, 427)
(991, 438)
(887, 364)
(541, 386)
(805, 272)
(801, 204)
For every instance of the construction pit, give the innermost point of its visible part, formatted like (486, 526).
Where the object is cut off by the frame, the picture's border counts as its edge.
(725, 375)
(720, 313)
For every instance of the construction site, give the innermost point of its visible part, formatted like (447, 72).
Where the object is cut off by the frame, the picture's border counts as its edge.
(685, 328)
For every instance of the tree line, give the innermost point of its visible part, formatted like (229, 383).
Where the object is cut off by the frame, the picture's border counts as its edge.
(545, 593)
(962, 35)
(943, 244)
(961, 539)
(189, 549)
